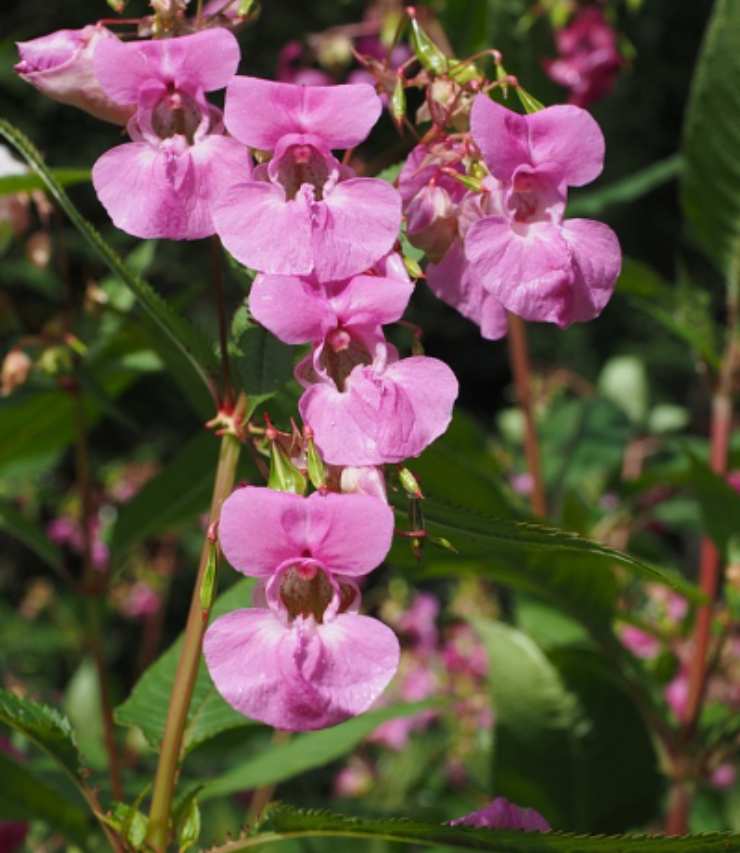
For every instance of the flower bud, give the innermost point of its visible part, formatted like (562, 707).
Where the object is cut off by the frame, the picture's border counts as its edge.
(432, 221)
(61, 66)
(16, 367)
(284, 475)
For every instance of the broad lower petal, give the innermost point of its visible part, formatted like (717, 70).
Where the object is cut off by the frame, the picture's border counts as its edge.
(359, 223)
(259, 112)
(295, 310)
(263, 230)
(597, 261)
(261, 528)
(530, 273)
(350, 534)
(570, 138)
(453, 283)
(153, 192)
(501, 135)
(432, 389)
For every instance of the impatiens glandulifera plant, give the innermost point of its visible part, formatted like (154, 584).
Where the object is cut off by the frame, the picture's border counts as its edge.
(331, 256)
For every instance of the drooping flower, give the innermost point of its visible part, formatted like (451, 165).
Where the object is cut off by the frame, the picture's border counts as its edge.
(588, 59)
(306, 660)
(640, 643)
(502, 814)
(163, 182)
(60, 65)
(304, 212)
(536, 263)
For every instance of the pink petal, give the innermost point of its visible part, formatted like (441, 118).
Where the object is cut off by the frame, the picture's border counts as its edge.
(310, 315)
(303, 676)
(597, 261)
(350, 534)
(260, 111)
(453, 283)
(371, 300)
(432, 389)
(359, 206)
(503, 814)
(570, 138)
(501, 135)
(529, 271)
(206, 60)
(167, 191)
(253, 220)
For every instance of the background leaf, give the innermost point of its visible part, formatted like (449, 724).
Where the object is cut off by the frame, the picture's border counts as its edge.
(10, 184)
(31, 534)
(711, 178)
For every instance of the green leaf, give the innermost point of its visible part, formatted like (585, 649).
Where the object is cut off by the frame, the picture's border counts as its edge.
(304, 752)
(719, 503)
(537, 721)
(10, 184)
(711, 178)
(180, 333)
(31, 534)
(187, 821)
(285, 822)
(129, 823)
(595, 202)
(46, 727)
(263, 362)
(25, 796)
(564, 568)
(208, 714)
(176, 494)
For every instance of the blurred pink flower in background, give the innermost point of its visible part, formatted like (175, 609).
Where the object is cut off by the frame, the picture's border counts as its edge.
(502, 814)
(588, 59)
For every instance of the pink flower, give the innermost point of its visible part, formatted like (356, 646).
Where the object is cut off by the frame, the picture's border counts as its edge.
(420, 620)
(304, 191)
(385, 411)
(61, 66)
(589, 59)
(355, 779)
(723, 777)
(417, 682)
(363, 480)
(640, 643)
(142, 600)
(463, 653)
(537, 264)
(502, 814)
(677, 693)
(163, 183)
(307, 660)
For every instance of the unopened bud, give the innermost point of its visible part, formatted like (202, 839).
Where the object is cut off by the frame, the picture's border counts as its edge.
(208, 583)
(284, 475)
(16, 368)
(315, 465)
(409, 483)
(55, 360)
(427, 52)
(529, 102)
(398, 102)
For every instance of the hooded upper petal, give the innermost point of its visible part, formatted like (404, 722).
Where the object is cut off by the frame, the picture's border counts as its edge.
(260, 529)
(205, 61)
(530, 271)
(259, 112)
(300, 676)
(597, 261)
(451, 280)
(371, 300)
(564, 139)
(166, 191)
(355, 225)
(294, 309)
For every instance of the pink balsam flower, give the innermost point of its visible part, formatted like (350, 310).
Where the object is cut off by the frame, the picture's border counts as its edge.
(162, 183)
(502, 814)
(304, 212)
(537, 264)
(589, 58)
(60, 65)
(306, 660)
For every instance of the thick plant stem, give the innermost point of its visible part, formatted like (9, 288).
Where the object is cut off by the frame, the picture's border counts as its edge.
(93, 590)
(519, 360)
(187, 667)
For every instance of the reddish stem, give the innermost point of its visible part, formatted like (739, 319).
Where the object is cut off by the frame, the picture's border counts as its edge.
(519, 361)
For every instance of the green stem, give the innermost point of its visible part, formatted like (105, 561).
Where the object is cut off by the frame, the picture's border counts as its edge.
(187, 667)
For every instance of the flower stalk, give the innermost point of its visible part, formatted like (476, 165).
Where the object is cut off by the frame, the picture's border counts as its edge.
(187, 667)
(519, 360)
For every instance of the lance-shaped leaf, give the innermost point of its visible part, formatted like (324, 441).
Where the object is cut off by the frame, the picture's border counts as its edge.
(31, 534)
(181, 334)
(711, 177)
(284, 822)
